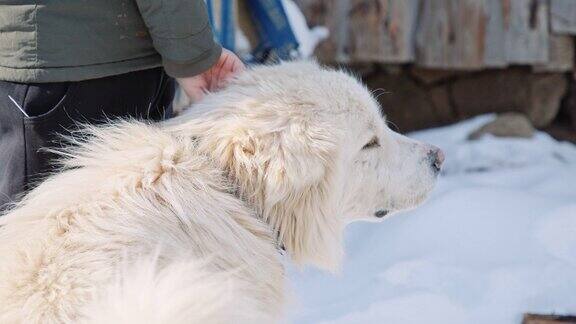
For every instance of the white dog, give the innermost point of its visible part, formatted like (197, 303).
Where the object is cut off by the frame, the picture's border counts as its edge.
(184, 221)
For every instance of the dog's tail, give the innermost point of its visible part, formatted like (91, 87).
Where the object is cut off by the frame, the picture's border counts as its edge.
(180, 292)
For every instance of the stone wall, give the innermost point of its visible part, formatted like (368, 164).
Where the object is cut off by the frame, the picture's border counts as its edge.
(415, 98)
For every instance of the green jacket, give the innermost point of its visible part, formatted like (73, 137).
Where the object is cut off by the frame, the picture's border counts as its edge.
(72, 40)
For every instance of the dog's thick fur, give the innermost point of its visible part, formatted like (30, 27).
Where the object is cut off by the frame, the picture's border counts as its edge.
(182, 221)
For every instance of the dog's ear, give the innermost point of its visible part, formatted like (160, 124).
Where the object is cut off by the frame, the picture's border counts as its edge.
(287, 173)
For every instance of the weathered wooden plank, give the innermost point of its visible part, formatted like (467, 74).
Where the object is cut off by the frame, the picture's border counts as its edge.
(548, 319)
(331, 14)
(495, 38)
(381, 30)
(526, 26)
(452, 34)
(473, 34)
(365, 30)
(563, 16)
(561, 55)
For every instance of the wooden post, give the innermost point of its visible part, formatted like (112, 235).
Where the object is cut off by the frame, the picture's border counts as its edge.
(526, 27)
(563, 16)
(451, 34)
(382, 30)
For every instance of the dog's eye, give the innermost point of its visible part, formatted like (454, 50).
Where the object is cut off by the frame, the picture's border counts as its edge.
(373, 143)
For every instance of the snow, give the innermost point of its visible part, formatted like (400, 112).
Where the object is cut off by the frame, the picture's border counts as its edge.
(496, 239)
(307, 38)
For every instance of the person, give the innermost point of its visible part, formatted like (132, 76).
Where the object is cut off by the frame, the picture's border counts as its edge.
(63, 63)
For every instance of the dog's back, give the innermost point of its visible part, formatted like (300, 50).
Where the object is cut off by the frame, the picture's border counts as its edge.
(130, 192)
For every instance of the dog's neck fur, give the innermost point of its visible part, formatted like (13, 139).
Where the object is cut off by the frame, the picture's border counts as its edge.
(300, 213)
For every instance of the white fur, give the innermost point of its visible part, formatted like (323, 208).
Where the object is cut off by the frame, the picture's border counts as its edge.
(181, 221)
(181, 292)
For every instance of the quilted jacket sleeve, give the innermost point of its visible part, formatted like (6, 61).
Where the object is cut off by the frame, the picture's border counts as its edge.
(181, 33)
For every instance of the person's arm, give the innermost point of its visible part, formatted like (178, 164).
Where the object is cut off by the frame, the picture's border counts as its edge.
(181, 33)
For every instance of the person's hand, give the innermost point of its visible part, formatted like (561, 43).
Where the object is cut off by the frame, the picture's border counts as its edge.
(214, 78)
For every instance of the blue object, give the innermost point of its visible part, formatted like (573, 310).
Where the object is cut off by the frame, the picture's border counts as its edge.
(226, 33)
(277, 41)
(276, 38)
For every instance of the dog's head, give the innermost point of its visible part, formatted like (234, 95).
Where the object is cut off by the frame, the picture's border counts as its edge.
(310, 150)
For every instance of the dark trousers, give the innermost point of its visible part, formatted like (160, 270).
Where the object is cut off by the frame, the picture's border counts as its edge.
(33, 116)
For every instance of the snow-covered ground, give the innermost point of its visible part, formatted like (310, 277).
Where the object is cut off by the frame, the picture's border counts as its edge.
(497, 238)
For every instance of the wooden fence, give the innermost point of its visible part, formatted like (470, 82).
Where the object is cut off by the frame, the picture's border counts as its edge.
(448, 34)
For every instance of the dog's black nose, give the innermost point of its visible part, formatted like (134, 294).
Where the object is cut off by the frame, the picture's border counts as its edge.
(381, 213)
(436, 158)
